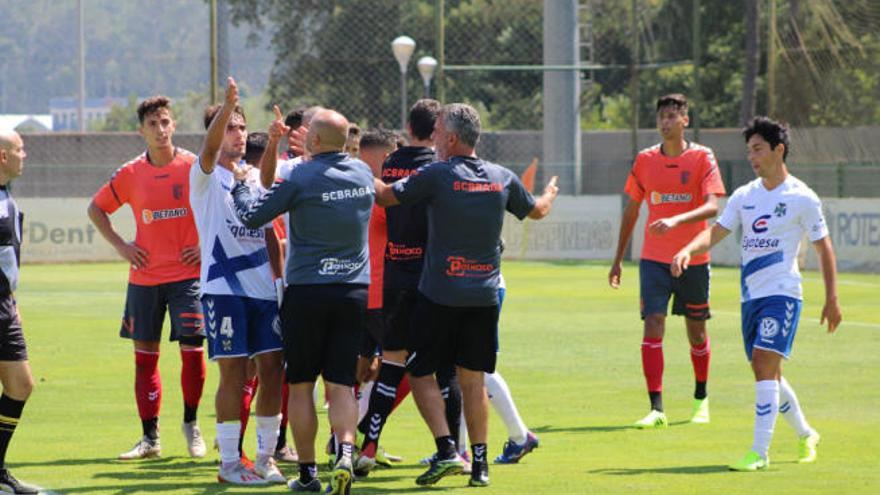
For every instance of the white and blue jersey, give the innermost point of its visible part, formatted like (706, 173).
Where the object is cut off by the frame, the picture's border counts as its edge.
(773, 224)
(234, 257)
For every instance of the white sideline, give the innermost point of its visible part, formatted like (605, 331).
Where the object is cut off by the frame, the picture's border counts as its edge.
(844, 323)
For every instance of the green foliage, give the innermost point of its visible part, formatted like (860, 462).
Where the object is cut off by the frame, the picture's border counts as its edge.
(120, 118)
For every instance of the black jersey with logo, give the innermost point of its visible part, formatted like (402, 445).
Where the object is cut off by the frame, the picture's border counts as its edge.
(407, 224)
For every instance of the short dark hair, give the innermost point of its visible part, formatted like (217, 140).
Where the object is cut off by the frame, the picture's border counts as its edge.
(212, 110)
(378, 138)
(152, 104)
(775, 133)
(675, 100)
(256, 145)
(422, 116)
(294, 118)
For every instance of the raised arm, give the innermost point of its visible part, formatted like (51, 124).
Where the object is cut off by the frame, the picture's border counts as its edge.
(627, 224)
(544, 202)
(269, 161)
(698, 245)
(214, 137)
(828, 264)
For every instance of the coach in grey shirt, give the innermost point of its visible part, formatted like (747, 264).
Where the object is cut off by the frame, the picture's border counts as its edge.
(329, 198)
(457, 312)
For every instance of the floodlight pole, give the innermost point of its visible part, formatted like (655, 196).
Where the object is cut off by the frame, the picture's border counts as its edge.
(426, 66)
(403, 48)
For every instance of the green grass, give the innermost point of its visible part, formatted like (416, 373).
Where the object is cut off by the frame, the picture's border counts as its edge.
(570, 352)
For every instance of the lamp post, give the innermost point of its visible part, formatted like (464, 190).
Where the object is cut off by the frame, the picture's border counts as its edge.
(403, 48)
(426, 67)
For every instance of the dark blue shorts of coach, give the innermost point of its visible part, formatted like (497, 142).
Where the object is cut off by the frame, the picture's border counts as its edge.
(451, 335)
(12, 346)
(322, 326)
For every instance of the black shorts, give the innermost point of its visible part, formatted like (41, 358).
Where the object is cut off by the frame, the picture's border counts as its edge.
(374, 330)
(691, 290)
(145, 307)
(322, 326)
(399, 307)
(12, 346)
(448, 335)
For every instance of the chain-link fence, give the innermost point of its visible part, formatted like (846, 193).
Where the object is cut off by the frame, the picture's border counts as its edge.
(815, 64)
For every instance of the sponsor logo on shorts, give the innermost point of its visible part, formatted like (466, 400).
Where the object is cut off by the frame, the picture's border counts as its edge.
(658, 198)
(402, 252)
(760, 225)
(467, 186)
(150, 216)
(336, 266)
(342, 194)
(768, 328)
(459, 266)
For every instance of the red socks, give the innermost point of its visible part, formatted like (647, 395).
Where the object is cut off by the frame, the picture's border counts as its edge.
(652, 363)
(248, 392)
(700, 358)
(402, 391)
(147, 384)
(192, 375)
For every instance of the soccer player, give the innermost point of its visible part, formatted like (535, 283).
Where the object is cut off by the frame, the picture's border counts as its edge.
(15, 371)
(164, 273)
(457, 308)
(407, 234)
(681, 184)
(238, 295)
(775, 211)
(328, 198)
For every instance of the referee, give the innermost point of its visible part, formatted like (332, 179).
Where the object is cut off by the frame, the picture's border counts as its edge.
(15, 372)
(458, 290)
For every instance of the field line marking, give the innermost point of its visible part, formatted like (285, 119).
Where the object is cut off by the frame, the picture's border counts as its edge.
(844, 323)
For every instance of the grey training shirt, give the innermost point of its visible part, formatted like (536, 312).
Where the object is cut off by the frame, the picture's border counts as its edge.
(329, 199)
(466, 199)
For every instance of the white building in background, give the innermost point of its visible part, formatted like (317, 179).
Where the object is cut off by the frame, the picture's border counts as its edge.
(64, 111)
(26, 122)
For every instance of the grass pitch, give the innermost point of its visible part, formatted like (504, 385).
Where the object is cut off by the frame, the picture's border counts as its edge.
(570, 353)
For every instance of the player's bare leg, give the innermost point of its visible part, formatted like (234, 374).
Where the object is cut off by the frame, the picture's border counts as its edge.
(268, 414)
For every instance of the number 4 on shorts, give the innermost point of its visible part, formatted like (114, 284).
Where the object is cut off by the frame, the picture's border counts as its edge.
(226, 327)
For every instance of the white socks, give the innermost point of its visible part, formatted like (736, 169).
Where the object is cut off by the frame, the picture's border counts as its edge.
(227, 442)
(502, 401)
(791, 409)
(267, 434)
(766, 410)
(363, 399)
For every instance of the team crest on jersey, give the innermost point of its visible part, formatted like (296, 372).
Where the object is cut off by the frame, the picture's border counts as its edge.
(768, 328)
(780, 210)
(177, 191)
(685, 177)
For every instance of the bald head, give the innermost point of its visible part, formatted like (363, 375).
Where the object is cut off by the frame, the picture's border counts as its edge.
(8, 139)
(328, 131)
(12, 156)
